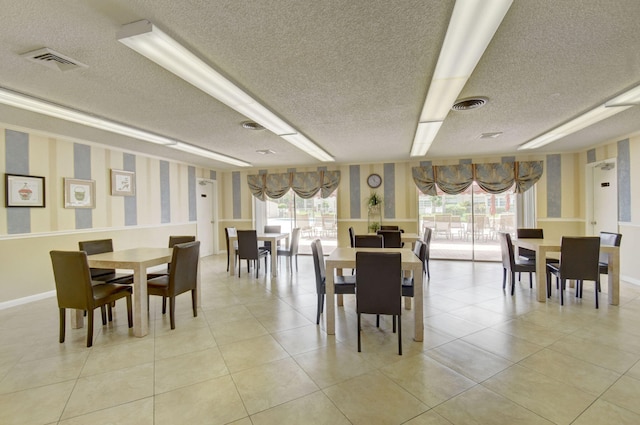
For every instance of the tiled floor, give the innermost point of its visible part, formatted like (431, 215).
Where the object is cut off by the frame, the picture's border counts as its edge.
(254, 355)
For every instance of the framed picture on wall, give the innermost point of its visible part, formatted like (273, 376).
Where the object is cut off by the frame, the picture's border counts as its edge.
(79, 193)
(24, 191)
(123, 183)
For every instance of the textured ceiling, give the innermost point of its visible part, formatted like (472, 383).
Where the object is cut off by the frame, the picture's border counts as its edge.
(351, 75)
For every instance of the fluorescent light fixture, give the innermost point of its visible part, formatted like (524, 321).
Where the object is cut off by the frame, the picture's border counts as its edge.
(425, 134)
(302, 143)
(208, 154)
(33, 104)
(148, 40)
(472, 26)
(616, 105)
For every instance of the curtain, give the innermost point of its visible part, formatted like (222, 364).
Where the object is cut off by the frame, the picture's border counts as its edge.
(492, 177)
(305, 184)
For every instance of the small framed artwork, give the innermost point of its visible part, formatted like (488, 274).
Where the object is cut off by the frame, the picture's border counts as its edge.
(79, 193)
(123, 183)
(24, 191)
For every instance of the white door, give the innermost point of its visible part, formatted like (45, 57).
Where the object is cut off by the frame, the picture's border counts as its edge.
(205, 194)
(605, 198)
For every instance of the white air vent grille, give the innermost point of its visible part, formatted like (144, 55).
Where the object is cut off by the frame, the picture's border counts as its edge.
(53, 59)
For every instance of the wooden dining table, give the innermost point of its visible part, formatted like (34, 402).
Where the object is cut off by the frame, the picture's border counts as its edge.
(265, 237)
(543, 246)
(345, 258)
(138, 260)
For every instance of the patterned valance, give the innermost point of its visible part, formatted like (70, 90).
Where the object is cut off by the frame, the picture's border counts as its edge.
(305, 185)
(492, 178)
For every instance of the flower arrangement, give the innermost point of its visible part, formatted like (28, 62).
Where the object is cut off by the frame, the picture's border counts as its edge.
(374, 200)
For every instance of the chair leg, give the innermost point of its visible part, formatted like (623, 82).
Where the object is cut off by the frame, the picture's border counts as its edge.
(548, 285)
(394, 323)
(399, 334)
(359, 347)
(530, 280)
(562, 284)
(129, 312)
(513, 282)
(428, 273)
(194, 302)
(172, 312)
(296, 263)
(596, 291)
(110, 312)
(90, 328)
(319, 309)
(164, 305)
(377, 320)
(103, 313)
(504, 278)
(63, 316)
(228, 261)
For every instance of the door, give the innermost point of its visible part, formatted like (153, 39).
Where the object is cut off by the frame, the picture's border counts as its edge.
(205, 194)
(604, 206)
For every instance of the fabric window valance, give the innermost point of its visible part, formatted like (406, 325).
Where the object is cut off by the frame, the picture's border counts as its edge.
(491, 177)
(304, 184)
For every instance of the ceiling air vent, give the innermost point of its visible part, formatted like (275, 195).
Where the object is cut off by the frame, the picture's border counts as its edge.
(250, 125)
(471, 103)
(53, 59)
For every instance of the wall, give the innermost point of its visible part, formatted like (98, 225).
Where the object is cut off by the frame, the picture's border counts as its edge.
(164, 204)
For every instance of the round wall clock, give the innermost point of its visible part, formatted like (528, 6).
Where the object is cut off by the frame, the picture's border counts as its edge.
(374, 181)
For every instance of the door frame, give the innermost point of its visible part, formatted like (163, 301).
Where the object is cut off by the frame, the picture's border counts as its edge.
(215, 247)
(589, 198)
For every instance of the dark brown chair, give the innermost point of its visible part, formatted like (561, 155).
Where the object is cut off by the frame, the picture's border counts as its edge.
(607, 238)
(419, 250)
(231, 231)
(342, 284)
(271, 229)
(379, 287)
(513, 265)
(578, 260)
(100, 246)
(75, 290)
(352, 237)
(426, 239)
(392, 238)
(522, 233)
(248, 250)
(182, 277)
(369, 241)
(292, 251)
(173, 241)
(389, 227)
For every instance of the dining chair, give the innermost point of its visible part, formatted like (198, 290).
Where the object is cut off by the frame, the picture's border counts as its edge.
(228, 232)
(419, 250)
(528, 233)
(271, 229)
(342, 284)
(369, 241)
(392, 238)
(352, 237)
(426, 239)
(75, 290)
(173, 241)
(182, 277)
(512, 264)
(100, 246)
(579, 260)
(379, 288)
(389, 227)
(292, 251)
(248, 250)
(607, 238)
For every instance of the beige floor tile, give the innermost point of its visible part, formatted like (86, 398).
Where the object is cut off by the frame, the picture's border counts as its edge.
(272, 384)
(480, 406)
(618, 340)
(469, 360)
(430, 381)
(252, 352)
(550, 398)
(185, 341)
(300, 340)
(333, 364)
(624, 393)
(634, 372)
(138, 412)
(37, 373)
(41, 405)
(313, 409)
(225, 314)
(187, 369)
(452, 325)
(604, 413)
(113, 357)
(570, 370)
(228, 332)
(479, 315)
(208, 403)
(596, 353)
(429, 418)
(110, 389)
(374, 398)
(284, 320)
(268, 307)
(531, 332)
(504, 345)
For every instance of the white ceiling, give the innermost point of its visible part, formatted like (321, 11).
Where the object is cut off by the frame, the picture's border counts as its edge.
(351, 75)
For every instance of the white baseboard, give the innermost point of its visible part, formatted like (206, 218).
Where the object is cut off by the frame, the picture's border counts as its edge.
(25, 300)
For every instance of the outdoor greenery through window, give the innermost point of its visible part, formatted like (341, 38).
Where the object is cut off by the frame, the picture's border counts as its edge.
(466, 226)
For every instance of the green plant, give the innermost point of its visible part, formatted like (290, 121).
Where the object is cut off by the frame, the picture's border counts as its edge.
(374, 227)
(374, 199)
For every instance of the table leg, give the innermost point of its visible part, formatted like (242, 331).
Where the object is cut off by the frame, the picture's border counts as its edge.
(274, 257)
(541, 275)
(232, 257)
(77, 318)
(418, 296)
(140, 306)
(330, 309)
